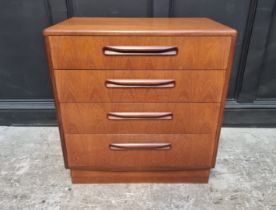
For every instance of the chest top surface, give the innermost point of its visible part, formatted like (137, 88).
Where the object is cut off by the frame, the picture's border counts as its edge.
(139, 26)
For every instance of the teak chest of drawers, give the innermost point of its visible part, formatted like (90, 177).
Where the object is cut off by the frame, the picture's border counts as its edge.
(139, 100)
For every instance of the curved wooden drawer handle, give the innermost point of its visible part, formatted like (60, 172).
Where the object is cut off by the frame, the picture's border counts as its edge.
(140, 146)
(140, 83)
(140, 50)
(140, 115)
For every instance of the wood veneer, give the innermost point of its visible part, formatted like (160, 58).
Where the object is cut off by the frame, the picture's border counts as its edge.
(186, 151)
(86, 52)
(192, 176)
(189, 86)
(139, 26)
(187, 118)
(117, 122)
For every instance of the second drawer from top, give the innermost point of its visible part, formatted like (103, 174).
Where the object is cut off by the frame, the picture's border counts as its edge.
(139, 85)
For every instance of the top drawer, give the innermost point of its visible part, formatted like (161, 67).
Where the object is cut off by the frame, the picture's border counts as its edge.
(139, 52)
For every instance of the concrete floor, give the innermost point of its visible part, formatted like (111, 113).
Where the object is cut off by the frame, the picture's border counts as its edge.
(32, 176)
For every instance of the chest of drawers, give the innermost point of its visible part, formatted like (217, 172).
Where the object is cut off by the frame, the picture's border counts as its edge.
(139, 100)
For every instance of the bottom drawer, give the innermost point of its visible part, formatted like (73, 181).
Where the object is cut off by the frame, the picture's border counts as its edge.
(124, 152)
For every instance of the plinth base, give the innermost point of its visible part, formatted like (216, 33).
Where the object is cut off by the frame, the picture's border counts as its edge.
(189, 176)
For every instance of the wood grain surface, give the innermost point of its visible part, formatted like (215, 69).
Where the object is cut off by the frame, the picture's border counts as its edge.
(139, 26)
(140, 99)
(92, 151)
(90, 86)
(87, 52)
(191, 176)
(224, 95)
(92, 118)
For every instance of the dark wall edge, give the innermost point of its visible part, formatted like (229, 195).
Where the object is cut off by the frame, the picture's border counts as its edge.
(42, 113)
(245, 48)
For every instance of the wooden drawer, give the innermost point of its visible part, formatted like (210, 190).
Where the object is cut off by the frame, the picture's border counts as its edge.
(139, 152)
(139, 117)
(139, 52)
(139, 85)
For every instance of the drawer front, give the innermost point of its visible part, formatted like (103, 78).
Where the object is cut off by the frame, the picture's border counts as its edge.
(138, 52)
(123, 118)
(140, 152)
(139, 86)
